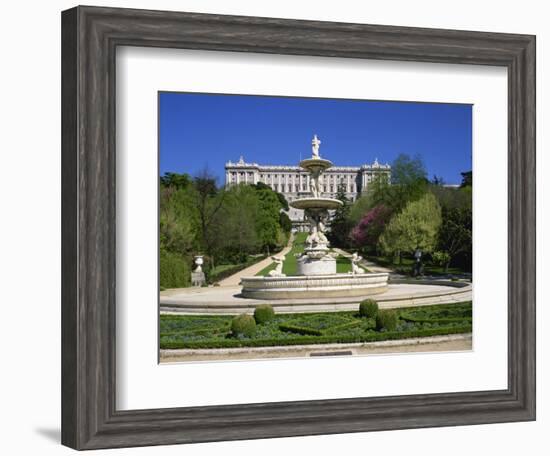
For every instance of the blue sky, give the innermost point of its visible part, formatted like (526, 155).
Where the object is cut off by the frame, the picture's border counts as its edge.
(207, 130)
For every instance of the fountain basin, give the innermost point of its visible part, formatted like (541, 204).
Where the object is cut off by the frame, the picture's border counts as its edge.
(315, 165)
(319, 286)
(316, 203)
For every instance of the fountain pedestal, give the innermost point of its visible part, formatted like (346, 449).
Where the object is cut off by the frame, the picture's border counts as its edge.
(323, 265)
(317, 258)
(316, 270)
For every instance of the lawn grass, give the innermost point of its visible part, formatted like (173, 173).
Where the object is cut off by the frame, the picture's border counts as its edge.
(343, 265)
(290, 264)
(213, 331)
(406, 266)
(265, 271)
(220, 268)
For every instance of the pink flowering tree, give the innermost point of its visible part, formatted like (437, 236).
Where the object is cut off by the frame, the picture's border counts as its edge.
(369, 229)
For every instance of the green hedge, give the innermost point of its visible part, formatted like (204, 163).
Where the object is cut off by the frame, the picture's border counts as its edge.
(371, 336)
(263, 313)
(347, 325)
(174, 270)
(412, 319)
(243, 325)
(288, 327)
(386, 319)
(368, 308)
(199, 331)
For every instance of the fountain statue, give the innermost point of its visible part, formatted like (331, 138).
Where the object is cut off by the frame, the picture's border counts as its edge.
(278, 271)
(317, 258)
(355, 268)
(316, 274)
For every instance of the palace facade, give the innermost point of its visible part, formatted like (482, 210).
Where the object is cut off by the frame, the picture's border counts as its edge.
(293, 181)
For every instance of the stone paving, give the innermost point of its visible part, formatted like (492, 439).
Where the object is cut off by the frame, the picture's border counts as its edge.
(227, 300)
(450, 343)
(372, 267)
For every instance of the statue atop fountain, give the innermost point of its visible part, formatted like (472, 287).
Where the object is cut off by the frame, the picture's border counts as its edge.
(316, 258)
(315, 143)
(316, 274)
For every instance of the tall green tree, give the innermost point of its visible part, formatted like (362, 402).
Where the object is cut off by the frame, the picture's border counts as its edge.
(209, 202)
(408, 183)
(270, 232)
(416, 227)
(341, 224)
(240, 211)
(175, 180)
(455, 233)
(466, 179)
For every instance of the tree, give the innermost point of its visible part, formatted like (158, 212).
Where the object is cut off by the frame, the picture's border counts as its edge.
(178, 220)
(238, 220)
(341, 225)
(455, 233)
(453, 197)
(416, 227)
(408, 183)
(285, 222)
(175, 180)
(268, 226)
(209, 201)
(369, 229)
(407, 171)
(466, 179)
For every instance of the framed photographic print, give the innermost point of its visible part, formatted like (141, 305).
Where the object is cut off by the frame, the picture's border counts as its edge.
(346, 210)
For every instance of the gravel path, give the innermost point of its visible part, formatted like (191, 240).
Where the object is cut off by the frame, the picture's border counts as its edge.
(251, 271)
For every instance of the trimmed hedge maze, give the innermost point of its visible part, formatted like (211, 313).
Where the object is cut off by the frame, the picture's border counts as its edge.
(209, 331)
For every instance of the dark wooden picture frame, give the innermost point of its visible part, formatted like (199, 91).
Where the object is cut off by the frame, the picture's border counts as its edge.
(90, 36)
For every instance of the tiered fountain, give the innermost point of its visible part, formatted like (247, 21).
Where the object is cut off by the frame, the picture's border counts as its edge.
(316, 273)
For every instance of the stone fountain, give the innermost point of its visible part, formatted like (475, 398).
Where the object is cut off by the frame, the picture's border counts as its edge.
(316, 272)
(317, 258)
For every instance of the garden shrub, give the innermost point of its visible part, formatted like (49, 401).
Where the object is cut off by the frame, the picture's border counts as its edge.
(174, 270)
(386, 319)
(243, 325)
(370, 336)
(368, 308)
(263, 313)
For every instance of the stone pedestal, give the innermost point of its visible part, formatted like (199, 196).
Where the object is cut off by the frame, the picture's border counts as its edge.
(316, 266)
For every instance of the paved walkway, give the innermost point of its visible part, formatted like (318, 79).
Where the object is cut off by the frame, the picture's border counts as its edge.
(251, 271)
(228, 300)
(453, 342)
(372, 267)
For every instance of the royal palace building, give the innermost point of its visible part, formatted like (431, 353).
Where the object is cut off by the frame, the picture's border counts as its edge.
(293, 182)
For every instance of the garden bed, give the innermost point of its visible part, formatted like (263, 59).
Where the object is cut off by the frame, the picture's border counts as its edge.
(205, 331)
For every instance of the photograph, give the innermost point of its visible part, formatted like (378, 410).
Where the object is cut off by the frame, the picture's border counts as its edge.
(297, 227)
